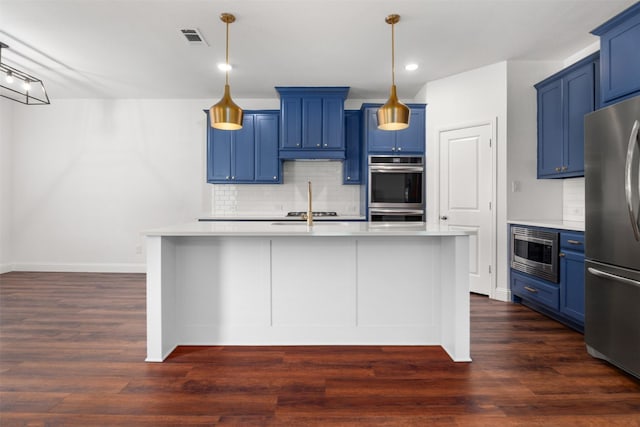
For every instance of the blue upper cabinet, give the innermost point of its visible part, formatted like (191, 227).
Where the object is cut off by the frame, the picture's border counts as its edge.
(407, 141)
(352, 166)
(267, 164)
(245, 156)
(312, 122)
(620, 55)
(563, 101)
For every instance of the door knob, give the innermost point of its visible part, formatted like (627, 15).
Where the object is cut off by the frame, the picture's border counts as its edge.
(444, 217)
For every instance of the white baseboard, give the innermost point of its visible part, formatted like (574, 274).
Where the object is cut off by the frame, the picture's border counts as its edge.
(502, 294)
(5, 268)
(78, 267)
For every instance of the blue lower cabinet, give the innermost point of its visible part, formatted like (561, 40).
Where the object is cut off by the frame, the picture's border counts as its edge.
(248, 155)
(572, 285)
(562, 301)
(536, 290)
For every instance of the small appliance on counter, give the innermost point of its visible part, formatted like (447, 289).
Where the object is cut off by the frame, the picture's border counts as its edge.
(612, 232)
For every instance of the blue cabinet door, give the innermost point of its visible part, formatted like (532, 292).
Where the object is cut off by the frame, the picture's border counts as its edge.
(550, 129)
(218, 154)
(351, 166)
(312, 123)
(412, 139)
(291, 122)
(579, 91)
(242, 151)
(378, 141)
(620, 55)
(572, 285)
(268, 164)
(332, 123)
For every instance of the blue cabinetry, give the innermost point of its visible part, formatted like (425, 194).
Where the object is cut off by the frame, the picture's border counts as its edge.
(563, 101)
(245, 156)
(563, 301)
(353, 142)
(409, 141)
(572, 275)
(312, 122)
(620, 56)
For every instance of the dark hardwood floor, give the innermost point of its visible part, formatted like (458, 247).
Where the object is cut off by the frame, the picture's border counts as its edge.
(72, 348)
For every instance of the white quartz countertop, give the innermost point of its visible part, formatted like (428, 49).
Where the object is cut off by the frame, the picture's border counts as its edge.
(559, 224)
(280, 218)
(300, 228)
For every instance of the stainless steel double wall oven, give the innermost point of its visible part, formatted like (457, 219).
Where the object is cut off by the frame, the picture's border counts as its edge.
(396, 188)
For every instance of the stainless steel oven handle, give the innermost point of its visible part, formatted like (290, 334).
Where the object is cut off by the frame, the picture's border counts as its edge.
(533, 239)
(629, 181)
(396, 169)
(397, 211)
(615, 277)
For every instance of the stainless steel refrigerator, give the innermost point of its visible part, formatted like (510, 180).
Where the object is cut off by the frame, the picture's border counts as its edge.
(612, 234)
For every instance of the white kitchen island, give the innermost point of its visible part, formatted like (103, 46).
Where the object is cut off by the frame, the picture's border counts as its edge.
(283, 283)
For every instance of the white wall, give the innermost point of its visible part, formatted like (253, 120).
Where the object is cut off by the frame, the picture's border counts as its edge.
(90, 175)
(468, 98)
(82, 179)
(6, 167)
(528, 197)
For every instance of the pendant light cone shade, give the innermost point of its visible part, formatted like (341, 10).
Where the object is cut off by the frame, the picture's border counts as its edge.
(226, 115)
(393, 115)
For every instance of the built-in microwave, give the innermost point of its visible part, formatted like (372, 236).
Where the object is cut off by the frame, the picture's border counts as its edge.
(396, 188)
(535, 252)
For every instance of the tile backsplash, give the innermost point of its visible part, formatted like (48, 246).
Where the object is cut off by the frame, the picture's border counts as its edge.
(329, 194)
(573, 199)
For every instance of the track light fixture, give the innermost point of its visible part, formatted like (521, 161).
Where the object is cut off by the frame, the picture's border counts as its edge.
(19, 86)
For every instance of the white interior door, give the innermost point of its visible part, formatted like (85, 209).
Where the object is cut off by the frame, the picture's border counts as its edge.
(466, 170)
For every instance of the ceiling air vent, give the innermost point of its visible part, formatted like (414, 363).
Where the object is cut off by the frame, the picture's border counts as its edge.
(194, 37)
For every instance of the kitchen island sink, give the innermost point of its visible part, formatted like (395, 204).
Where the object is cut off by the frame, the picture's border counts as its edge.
(285, 283)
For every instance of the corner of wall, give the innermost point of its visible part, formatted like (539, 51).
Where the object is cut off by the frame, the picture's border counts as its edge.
(6, 184)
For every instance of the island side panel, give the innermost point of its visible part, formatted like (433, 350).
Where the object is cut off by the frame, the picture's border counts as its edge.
(313, 290)
(223, 290)
(454, 279)
(398, 285)
(161, 265)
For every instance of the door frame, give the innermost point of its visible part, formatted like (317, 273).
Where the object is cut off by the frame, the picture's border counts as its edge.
(494, 189)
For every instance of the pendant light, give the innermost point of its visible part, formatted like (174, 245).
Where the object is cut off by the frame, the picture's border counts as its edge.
(226, 115)
(393, 115)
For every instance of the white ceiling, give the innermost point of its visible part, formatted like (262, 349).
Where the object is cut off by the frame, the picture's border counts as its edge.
(134, 48)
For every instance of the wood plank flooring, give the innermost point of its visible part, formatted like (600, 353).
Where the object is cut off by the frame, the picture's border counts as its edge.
(72, 348)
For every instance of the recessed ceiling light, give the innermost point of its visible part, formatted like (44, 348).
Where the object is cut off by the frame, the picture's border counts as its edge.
(224, 67)
(411, 67)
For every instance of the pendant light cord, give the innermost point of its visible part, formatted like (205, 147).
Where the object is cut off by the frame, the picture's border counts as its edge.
(227, 57)
(393, 56)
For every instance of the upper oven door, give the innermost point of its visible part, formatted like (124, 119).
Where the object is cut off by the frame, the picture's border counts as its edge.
(396, 186)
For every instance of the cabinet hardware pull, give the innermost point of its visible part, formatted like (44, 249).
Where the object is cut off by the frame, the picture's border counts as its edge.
(275, 177)
(393, 148)
(564, 168)
(399, 148)
(532, 290)
(561, 254)
(574, 242)
(557, 169)
(317, 145)
(326, 145)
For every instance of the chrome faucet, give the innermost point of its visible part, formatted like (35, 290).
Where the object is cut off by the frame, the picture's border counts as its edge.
(309, 215)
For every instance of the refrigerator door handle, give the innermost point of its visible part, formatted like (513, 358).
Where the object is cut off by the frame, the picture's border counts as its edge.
(629, 181)
(615, 277)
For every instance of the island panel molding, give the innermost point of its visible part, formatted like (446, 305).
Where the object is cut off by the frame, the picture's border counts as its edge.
(331, 284)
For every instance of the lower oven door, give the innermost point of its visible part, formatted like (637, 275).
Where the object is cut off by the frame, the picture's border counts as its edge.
(396, 215)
